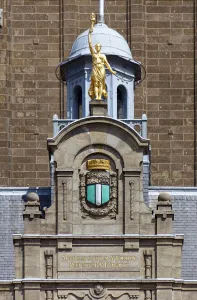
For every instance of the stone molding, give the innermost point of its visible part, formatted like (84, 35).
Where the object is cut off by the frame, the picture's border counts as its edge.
(160, 237)
(53, 142)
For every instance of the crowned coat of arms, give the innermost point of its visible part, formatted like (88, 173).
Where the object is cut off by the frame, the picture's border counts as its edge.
(98, 189)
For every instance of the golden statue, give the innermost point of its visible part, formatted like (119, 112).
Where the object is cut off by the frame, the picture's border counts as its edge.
(98, 86)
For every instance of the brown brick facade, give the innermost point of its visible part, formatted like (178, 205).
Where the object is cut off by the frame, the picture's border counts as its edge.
(38, 34)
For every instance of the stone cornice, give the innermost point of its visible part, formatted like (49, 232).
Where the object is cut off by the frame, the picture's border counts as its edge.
(98, 237)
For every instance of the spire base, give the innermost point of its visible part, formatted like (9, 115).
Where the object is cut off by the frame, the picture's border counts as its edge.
(101, 19)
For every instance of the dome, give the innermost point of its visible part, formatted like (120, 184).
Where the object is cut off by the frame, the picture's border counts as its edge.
(112, 42)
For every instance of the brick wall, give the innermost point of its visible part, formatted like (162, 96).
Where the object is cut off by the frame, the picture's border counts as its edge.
(38, 34)
(170, 90)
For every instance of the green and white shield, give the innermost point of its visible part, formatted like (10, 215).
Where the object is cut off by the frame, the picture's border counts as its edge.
(98, 194)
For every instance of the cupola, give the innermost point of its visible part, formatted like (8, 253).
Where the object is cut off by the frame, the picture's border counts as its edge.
(76, 72)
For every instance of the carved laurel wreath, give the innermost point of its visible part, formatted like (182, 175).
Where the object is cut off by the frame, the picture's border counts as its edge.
(99, 177)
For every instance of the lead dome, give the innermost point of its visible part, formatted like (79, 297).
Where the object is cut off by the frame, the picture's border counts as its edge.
(112, 42)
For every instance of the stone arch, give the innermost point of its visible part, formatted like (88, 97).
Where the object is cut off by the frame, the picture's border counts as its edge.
(107, 151)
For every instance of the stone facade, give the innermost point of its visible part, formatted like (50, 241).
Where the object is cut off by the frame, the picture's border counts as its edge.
(37, 34)
(131, 254)
(97, 237)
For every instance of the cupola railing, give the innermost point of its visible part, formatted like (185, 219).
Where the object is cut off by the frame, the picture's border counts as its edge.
(139, 125)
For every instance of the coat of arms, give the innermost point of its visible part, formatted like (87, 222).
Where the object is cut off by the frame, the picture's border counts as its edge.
(98, 189)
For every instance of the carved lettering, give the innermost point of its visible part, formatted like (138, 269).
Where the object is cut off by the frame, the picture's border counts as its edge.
(97, 262)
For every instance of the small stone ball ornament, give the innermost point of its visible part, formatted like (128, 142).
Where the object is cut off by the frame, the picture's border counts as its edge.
(164, 197)
(32, 197)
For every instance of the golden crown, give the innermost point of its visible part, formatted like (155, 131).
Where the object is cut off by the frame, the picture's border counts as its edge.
(98, 164)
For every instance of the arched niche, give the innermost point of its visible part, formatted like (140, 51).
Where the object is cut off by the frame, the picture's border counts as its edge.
(121, 102)
(77, 102)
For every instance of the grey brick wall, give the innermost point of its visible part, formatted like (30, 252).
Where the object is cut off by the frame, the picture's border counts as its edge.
(11, 221)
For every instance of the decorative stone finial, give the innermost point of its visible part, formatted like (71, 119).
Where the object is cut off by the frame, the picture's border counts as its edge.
(164, 197)
(164, 214)
(32, 207)
(32, 197)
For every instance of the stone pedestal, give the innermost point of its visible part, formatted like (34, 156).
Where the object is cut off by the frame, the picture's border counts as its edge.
(164, 214)
(98, 108)
(32, 214)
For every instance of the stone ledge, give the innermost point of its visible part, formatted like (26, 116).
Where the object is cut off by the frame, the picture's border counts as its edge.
(126, 236)
(135, 280)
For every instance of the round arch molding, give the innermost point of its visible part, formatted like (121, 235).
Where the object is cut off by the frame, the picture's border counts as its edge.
(100, 131)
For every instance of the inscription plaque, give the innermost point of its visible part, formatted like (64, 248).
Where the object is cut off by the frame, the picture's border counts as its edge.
(98, 262)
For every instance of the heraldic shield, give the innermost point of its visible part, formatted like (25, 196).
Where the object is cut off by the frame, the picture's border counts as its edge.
(98, 189)
(99, 192)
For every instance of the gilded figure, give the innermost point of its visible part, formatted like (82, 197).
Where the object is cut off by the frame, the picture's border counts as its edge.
(98, 86)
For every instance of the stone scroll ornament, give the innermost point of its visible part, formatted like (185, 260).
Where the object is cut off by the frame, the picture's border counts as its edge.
(98, 190)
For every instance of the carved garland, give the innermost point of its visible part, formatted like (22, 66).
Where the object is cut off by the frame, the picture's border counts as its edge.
(64, 186)
(111, 207)
(102, 297)
(131, 183)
